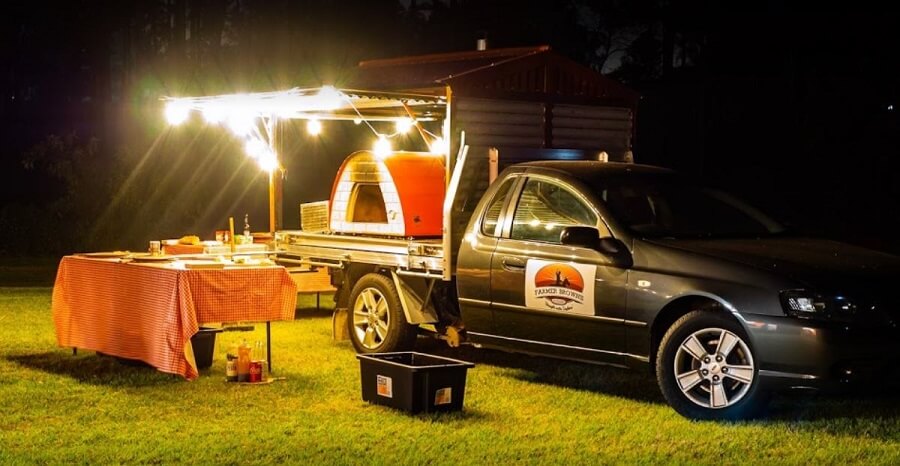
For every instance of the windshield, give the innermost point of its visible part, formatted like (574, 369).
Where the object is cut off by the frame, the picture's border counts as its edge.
(671, 207)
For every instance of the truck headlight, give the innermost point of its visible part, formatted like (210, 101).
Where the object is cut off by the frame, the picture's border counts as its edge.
(807, 304)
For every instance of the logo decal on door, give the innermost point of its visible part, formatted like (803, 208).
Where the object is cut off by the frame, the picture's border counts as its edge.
(558, 286)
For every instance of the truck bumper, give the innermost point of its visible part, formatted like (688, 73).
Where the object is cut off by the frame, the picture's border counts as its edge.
(825, 356)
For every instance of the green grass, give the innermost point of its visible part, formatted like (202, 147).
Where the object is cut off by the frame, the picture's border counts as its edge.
(60, 408)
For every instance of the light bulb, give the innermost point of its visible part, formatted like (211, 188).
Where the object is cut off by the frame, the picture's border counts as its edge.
(314, 127)
(256, 148)
(382, 147)
(329, 98)
(438, 146)
(177, 112)
(403, 125)
(268, 161)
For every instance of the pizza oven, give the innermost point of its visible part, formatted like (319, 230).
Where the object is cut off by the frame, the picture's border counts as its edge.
(401, 194)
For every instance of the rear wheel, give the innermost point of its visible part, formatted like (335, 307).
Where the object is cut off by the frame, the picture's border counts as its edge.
(377, 323)
(706, 369)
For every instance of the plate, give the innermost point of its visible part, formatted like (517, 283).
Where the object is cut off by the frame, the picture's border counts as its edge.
(252, 263)
(194, 257)
(105, 255)
(149, 258)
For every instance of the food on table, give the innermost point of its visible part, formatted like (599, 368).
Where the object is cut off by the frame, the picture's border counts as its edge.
(189, 239)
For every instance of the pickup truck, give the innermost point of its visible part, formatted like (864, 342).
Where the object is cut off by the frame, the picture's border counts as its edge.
(631, 266)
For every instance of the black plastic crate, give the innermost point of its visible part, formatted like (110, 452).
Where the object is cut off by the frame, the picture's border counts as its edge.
(413, 382)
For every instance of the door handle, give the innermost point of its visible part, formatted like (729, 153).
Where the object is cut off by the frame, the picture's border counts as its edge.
(513, 264)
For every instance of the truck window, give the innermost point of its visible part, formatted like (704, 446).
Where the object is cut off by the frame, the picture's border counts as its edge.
(367, 204)
(492, 215)
(544, 209)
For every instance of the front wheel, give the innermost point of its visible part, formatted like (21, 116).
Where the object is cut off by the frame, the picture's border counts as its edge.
(377, 323)
(706, 369)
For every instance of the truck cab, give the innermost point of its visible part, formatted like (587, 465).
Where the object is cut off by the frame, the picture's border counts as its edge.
(531, 274)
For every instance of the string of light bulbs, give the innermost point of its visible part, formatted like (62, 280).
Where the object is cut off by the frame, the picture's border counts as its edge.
(241, 113)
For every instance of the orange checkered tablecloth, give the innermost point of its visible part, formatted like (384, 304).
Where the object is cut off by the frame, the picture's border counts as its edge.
(150, 311)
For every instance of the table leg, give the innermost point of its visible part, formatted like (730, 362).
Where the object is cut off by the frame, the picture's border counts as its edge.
(269, 344)
(317, 301)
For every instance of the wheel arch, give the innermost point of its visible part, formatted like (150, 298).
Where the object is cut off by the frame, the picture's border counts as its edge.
(678, 307)
(351, 274)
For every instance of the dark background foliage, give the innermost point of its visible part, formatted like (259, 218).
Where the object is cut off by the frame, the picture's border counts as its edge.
(789, 105)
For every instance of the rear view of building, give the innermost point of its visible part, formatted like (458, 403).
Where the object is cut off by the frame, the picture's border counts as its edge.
(528, 97)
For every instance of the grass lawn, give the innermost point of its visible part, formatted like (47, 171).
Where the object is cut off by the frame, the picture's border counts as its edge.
(60, 408)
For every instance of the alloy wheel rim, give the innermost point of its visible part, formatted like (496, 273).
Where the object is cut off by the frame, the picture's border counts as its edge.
(714, 368)
(371, 318)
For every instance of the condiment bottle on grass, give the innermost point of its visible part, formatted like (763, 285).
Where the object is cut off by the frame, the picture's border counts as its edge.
(231, 365)
(243, 363)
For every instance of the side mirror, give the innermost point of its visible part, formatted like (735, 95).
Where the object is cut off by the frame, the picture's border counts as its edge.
(589, 237)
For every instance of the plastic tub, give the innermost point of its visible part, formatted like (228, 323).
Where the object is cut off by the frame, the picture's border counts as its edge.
(204, 343)
(413, 382)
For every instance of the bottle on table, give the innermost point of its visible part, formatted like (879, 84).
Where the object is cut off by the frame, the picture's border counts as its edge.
(247, 225)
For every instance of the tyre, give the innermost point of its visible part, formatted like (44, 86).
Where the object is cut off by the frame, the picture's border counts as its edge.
(706, 369)
(377, 323)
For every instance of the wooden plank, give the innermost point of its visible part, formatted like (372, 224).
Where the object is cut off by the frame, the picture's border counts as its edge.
(317, 281)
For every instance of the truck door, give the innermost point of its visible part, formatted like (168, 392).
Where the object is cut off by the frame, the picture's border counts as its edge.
(474, 259)
(543, 292)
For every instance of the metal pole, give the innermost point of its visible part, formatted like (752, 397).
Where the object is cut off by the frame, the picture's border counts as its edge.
(277, 138)
(448, 137)
(272, 202)
(269, 344)
(271, 124)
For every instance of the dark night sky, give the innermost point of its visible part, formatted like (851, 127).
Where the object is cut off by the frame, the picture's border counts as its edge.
(791, 107)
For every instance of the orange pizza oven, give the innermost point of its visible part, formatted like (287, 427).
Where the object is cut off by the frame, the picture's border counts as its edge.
(401, 194)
